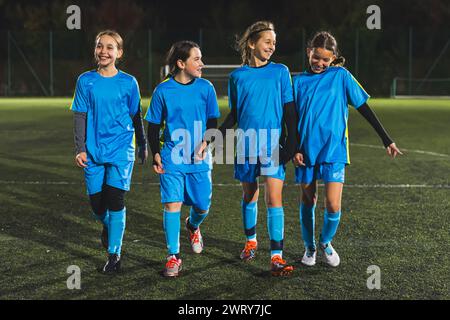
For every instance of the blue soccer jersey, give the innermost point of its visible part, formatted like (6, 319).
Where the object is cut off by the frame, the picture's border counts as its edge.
(184, 109)
(322, 104)
(110, 104)
(259, 94)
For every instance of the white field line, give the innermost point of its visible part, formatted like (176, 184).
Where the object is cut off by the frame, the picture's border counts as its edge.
(361, 186)
(385, 186)
(406, 150)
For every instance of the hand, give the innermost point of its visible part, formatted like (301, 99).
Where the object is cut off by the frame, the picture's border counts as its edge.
(202, 152)
(298, 159)
(392, 150)
(142, 153)
(157, 164)
(81, 159)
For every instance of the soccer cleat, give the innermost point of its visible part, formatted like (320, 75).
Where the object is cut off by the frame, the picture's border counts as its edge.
(330, 255)
(195, 238)
(173, 266)
(104, 237)
(309, 258)
(249, 251)
(113, 264)
(279, 267)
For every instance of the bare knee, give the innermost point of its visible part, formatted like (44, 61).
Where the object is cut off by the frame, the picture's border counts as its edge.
(172, 206)
(333, 206)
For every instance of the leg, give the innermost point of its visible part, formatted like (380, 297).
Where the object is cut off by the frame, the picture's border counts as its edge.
(172, 187)
(275, 214)
(331, 219)
(198, 193)
(250, 194)
(98, 205)
(117, 218)
(95, 176)
(333, 191)
(117, 180)
(249, 205)
(307, 208)
(275, 221)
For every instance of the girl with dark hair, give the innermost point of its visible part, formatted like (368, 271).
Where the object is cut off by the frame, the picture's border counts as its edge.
(261, 102)
(187, 106)
(107, 115)
(322, 94)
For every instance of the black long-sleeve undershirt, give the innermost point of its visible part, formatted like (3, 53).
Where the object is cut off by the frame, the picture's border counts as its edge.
(291, 141)
(139, 130)
(153, 137)
(370, 116)
(79, 131)
(229, 121)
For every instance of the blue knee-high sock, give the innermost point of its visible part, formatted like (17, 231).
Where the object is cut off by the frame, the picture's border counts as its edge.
(249, 218)
(307, 224)
(330, 225)
(171, 224)
(196, 218)
(116, 229)
(104, 218)
(275, 225)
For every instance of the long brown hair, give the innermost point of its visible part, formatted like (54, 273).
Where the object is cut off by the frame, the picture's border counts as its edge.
(251, 35)
(180, 50)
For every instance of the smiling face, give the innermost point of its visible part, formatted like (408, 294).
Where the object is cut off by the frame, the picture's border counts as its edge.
(193, 65)
(106, 51)
(320, 59)
(264, 46)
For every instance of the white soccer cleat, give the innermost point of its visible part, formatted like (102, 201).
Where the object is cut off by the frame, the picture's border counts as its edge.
(309, 258)
(195, 238)
(330, 255)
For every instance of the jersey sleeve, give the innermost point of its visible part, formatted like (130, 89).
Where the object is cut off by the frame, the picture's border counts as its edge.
(212, 107)
(287, 92)
(232, 96)
(80, 100)
(155, 110)
(135, 98)
(356, 95)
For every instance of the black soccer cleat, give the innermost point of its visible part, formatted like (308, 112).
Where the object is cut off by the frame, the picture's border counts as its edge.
(104, 237)
(112, 265)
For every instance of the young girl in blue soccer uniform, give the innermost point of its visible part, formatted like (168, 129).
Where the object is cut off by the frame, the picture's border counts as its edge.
(186, 105)
(322, 95)
(261, 103)
(107, 115)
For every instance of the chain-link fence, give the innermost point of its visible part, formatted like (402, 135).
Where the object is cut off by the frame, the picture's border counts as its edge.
(48, 63)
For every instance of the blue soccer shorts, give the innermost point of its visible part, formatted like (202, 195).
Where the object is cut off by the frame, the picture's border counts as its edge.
(249, 172)
(328, 172)
(193, 189)
(117, 174)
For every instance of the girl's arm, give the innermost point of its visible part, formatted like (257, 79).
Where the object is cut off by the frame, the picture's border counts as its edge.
(140, 136)
(79, 131)
(370, 116)
(290, 120)
(153, 141)
(229, 121)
